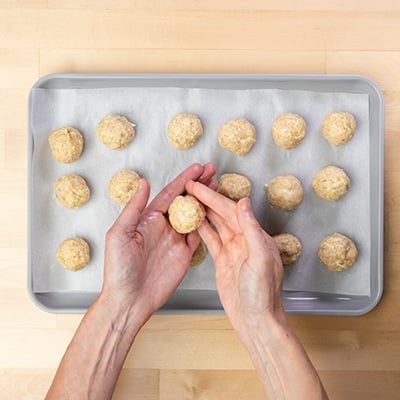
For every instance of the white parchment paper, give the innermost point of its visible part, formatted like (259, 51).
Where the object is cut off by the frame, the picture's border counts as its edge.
(151, 155)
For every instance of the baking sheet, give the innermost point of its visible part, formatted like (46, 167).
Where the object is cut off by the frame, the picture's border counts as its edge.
(151, 155)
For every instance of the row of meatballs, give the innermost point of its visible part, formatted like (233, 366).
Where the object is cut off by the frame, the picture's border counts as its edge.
(184, 130)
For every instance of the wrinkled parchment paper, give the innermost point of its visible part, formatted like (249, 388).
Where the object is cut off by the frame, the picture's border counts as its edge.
(151, 155)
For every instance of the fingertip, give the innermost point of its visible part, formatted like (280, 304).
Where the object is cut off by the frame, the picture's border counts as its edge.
(213, 185)
(245, 205)
(130, 214)
(143, 184)
(197, 167)
(211, 164)
(210, 167)
(143, 191)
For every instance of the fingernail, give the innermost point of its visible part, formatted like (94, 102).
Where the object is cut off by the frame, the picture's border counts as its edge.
(245, 204)
(140, 185)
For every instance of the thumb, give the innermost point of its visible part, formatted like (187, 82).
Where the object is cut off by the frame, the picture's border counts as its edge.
(130, 215)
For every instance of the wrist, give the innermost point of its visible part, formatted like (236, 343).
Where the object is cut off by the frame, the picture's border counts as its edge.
(267, 328)
(277, 354)
(124, 317)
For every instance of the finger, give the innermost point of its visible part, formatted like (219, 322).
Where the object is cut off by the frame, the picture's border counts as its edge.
(130, 215)
(257, 240)
(223, 227)
(176, 187)
(193, 241)
(210, 238)
(223, 206)
(213, 184)
(209, 171)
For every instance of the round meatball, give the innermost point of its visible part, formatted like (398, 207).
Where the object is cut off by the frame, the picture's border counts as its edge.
(237, 136)
(73, 254)
(123, 186)
(337, 252)
(338, 128)
(288, 130)
(184, 131)
(186, 214)
(289, 247)
(115, 131)
(331, 183)
(285, 192)
(71, 191)
(234, 186)
(66, 144)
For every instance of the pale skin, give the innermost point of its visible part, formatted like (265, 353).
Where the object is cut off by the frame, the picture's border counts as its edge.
(145, 261)
(249, 276)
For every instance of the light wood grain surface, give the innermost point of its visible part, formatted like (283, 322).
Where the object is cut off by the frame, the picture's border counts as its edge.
(194, 357)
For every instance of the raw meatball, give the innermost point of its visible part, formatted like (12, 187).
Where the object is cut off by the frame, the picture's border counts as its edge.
(71, 191)
(186, 214)
(184, 130)
(289, 248)
(338, 127)
(123, 186)
(237, 136)
(198, 256)
(288, 130)
(73, 254)
(331, 183)
(66, 144)
(115, 131)
(285, 192)
(337, 252)
(234, 186)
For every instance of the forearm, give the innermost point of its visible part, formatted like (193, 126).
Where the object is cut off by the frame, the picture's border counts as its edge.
(283, 366)
(92, 363)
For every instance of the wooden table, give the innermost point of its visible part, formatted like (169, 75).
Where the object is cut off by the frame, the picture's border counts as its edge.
(194, 357)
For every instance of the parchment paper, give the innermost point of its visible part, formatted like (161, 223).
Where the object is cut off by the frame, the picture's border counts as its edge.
(151, 155)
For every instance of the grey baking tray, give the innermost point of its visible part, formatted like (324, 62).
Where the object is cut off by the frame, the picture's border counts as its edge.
(206, 301)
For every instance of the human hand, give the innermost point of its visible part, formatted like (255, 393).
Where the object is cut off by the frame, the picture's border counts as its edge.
(248, 267)
(145, 259)
(249, 276)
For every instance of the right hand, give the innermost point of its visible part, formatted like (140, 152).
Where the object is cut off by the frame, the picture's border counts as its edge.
(249, 276)
(249, 270)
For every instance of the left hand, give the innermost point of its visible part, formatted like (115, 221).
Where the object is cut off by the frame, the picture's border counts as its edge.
(145, 259)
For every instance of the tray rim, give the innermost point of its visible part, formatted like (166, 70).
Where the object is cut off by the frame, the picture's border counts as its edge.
(374, 90)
